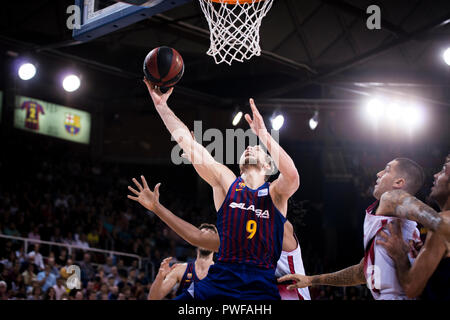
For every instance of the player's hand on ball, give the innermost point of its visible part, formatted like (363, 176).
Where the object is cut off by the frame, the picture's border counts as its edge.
(257, 122)
(300, 281)
(146, 197)
(158, 97)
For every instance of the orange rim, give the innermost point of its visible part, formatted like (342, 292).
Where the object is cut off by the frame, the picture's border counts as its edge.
(235, 1)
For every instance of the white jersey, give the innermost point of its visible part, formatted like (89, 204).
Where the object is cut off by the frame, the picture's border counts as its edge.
(290, 263)
(379, 268)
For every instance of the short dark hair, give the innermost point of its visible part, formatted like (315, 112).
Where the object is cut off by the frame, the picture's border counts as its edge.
(208, 226)
(415, 175)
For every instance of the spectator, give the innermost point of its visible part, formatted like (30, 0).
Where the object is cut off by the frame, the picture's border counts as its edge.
(115, 275)
(34, 234)
(50, 294)
(91, 295)
(111, 281)
(46, 278)
(59, 288)
(108, 265)
(3, 291)
(53, 269)
(103, 290)
(142, 278)
(132, 276)
(79, 295)
(104, 296)
(87, 270)
(93, 238)
(38, 259)
(114, 293)
(11, 230)
(20, 254)
(18, 284)
(29, 276)
(123, 279)
(36, 292)
(81, 241)
(56, 236)
(61, 259)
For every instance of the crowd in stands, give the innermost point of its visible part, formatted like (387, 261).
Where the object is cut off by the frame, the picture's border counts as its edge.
(68, 200)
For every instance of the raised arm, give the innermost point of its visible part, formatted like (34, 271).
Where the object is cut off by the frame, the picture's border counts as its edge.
(351, 276)
(213, 172)
(150, 200)
(289, 180)
(165, 280)
(400, 204)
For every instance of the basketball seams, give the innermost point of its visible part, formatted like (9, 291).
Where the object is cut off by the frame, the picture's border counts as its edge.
(164, 67)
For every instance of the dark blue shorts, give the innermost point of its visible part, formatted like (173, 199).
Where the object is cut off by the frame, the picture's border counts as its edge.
(229, 281)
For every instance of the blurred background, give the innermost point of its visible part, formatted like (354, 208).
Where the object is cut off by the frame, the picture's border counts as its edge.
(352, 99)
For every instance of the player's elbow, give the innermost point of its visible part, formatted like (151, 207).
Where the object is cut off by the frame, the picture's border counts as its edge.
(294, 179)
(412, 290)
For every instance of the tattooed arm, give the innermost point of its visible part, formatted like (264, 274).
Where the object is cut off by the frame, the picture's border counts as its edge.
(400, 204)
(351, 276)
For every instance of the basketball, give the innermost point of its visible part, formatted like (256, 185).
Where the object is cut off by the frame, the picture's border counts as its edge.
(164, 67)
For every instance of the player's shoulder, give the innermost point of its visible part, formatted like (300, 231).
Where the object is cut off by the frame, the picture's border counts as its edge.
(179, 269)
(181, 265)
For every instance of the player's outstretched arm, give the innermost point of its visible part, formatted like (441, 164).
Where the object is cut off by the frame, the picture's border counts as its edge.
(213, 172)
(350, 276)
(150, 200)
(400, 204)
(413, 279)
(165, 280)
(289, 180)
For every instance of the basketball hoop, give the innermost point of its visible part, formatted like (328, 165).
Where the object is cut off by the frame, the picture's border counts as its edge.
(234, 28)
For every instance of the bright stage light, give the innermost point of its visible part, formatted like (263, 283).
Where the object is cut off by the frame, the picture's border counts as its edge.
(375, 108)
(277, 122)
(446, 56)
(237, 118)
(412, 116)
(394, 111)
(27, 71)
(314, 121)
(71, 83)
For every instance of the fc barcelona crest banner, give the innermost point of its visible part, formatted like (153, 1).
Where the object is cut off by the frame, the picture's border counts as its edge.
(52, 120)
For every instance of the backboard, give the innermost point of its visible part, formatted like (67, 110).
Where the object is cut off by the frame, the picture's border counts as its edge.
(100, 17)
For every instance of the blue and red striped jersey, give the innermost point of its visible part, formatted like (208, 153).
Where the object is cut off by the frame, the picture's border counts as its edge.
(250, 227)
(189, 277)
(32, 116)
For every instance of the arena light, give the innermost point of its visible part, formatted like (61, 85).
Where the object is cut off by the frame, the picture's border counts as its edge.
(394, 111)
(412, 115)
(375, 108)
(277, 122)
(27, 71)
(314, 121)
(446, 56)
(71, 83)
(237, 118)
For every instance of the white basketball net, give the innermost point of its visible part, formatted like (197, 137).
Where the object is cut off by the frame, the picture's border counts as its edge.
(234, 28)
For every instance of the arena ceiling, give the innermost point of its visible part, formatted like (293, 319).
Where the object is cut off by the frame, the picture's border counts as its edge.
(313, 50)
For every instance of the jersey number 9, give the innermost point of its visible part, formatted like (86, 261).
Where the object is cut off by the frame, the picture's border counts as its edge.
(251, 228)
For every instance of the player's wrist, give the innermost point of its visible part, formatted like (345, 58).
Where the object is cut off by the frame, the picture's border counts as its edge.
(157, 207)
(313, 280)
